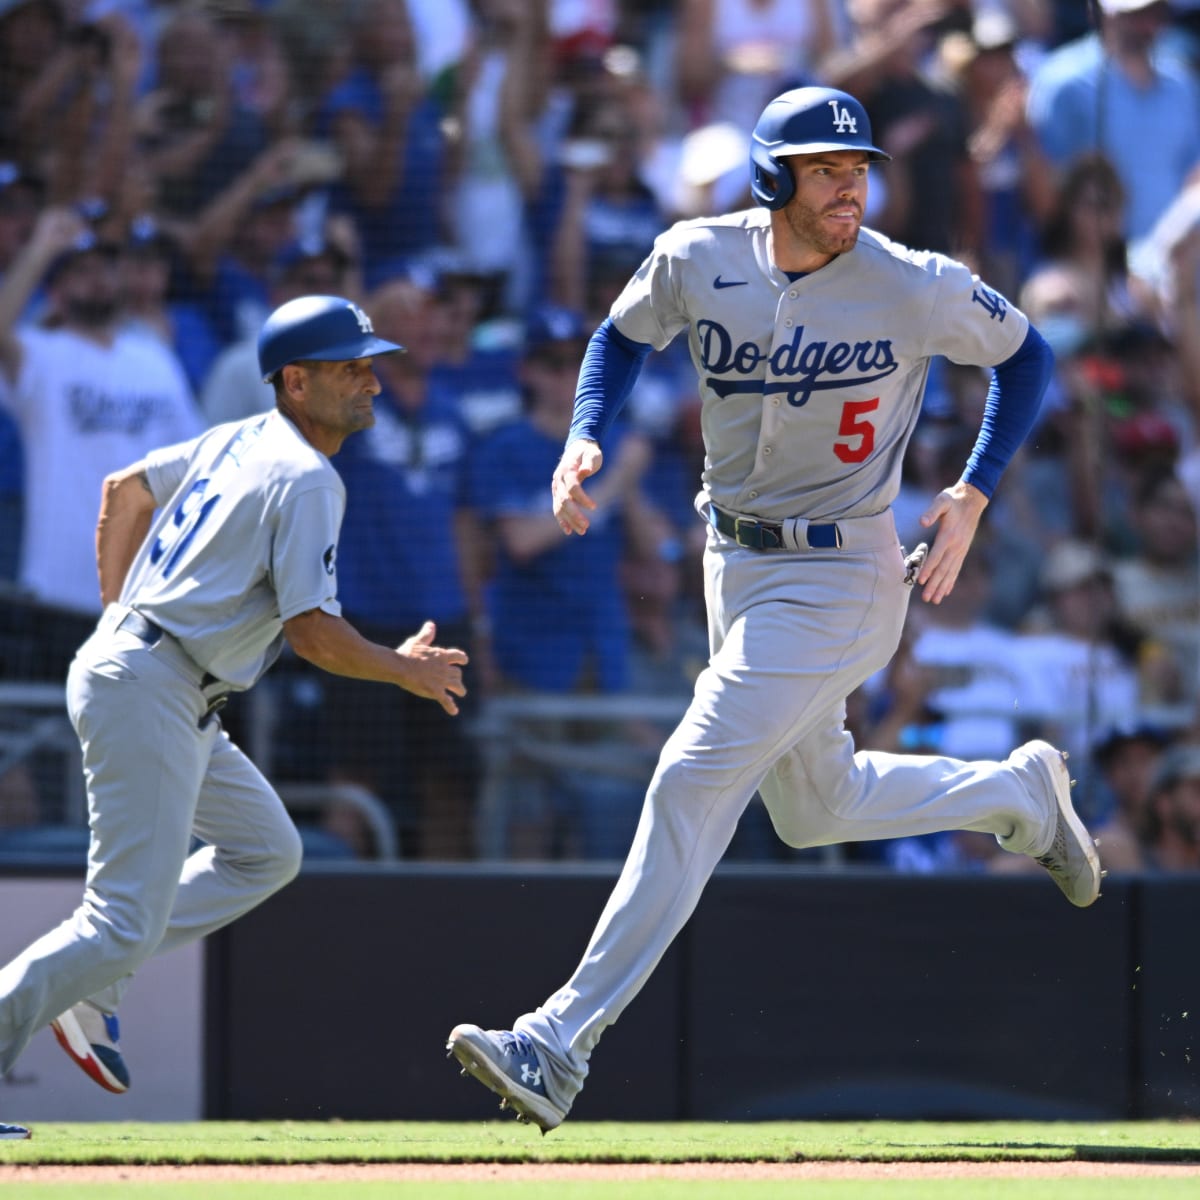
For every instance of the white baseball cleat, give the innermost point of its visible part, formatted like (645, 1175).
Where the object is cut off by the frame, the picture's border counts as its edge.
(91, 1036)
(1071, 858)
(507, 1063)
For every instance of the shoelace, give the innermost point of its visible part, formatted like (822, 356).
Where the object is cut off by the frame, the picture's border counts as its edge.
(516, 1043)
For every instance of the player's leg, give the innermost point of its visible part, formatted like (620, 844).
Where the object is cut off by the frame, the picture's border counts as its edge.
(823, 792)
(252, 848)
(143, 758)
(779, 648)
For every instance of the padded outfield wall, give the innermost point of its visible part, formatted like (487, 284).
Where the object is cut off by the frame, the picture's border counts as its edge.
(791, 994)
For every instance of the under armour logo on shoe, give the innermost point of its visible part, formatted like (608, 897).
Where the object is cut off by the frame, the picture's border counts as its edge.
(531, 1075)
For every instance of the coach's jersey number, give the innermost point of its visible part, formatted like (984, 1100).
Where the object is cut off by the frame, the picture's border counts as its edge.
(187, 518)
(859, 431)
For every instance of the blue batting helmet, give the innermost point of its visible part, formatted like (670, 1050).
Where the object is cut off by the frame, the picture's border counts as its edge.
(805, 120)
(317, 329)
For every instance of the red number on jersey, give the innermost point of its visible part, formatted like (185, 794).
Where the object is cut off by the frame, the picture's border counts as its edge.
(854, 427)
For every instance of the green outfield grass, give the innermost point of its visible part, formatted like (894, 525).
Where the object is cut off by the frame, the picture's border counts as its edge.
(700, 1141)
(1163, 1143)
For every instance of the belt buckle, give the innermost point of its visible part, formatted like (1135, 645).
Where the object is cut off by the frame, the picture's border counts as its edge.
(749, 543)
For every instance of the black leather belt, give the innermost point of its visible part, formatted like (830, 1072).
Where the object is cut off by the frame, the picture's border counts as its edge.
(768, 535)
(150, 633)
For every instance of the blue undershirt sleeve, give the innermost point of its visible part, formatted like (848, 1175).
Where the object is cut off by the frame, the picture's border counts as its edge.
(610, 368)
(1013, 399)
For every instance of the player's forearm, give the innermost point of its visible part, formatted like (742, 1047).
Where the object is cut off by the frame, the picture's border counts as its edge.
(126, 508)
(611, 365)
(334, 645)
(1014, 397)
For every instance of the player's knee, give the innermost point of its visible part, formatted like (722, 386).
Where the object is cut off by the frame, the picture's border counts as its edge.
(129, 933)
(281, 863)
(289, 856)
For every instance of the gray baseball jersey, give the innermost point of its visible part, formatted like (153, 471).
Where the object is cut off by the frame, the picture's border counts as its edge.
(245, 538)
(812, 387)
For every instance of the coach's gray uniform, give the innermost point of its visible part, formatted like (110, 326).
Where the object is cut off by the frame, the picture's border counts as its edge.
(245, 538)
(811, 389)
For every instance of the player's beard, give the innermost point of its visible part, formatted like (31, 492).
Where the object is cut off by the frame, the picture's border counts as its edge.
(807, 225)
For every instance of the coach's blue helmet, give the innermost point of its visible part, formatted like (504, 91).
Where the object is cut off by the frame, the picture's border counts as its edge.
(317, 329)
(806, 120)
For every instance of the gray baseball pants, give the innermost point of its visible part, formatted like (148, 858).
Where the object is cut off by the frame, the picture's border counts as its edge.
(793, 633)
(155, 777)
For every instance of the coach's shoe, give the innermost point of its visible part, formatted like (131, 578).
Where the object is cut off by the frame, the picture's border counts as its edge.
(13, 1133)
(1071, 859)
(507, 1063)
(89, 1035)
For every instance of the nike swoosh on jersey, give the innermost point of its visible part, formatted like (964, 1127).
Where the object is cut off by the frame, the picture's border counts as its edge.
(724, 283)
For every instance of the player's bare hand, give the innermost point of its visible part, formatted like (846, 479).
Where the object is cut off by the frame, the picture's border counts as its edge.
(435, 672)
(580, 460)
(955, 512)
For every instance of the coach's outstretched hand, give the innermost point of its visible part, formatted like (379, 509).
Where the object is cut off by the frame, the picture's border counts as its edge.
(435, 672)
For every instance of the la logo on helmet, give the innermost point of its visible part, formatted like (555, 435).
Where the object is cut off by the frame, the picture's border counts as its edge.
(843, 122)
(364, 322)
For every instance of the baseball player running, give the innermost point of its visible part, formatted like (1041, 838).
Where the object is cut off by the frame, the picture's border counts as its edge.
(811, 337)
(241, 556)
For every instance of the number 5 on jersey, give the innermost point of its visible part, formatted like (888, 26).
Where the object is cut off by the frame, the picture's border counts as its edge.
(859, 432)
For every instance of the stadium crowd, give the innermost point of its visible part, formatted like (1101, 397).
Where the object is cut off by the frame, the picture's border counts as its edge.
(482, 176)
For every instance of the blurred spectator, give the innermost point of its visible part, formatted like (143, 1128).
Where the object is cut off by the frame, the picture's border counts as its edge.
(259, 77)
(608, 213)
(1078, 657)
(478, 347)
(407, 554)
(1111, 91)
(972, 670)
(1017, 186)
(20, 197)
(321, 266)
(234, 242)
(733, 56)
(1158, 588)
(1172, 834)
(388, 129)
(540, 575)
(1080, 289)
(504, 85)
(1126, 760)
(932, 184)
(148, 258)
(196, 135)
(89, 397)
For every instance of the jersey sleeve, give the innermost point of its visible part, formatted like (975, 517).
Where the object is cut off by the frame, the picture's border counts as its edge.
(304, 553)
(649, 309)
(166, 468)
(972, 323)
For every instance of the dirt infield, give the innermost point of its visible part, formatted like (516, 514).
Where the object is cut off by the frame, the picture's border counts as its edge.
(567, 1172)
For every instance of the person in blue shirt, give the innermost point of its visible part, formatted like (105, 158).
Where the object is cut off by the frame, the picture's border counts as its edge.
(388, 130)
(406, 549)
(1119, 93)
(558, 614)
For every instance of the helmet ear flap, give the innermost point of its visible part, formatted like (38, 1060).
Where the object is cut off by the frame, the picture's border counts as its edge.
(771, 181)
